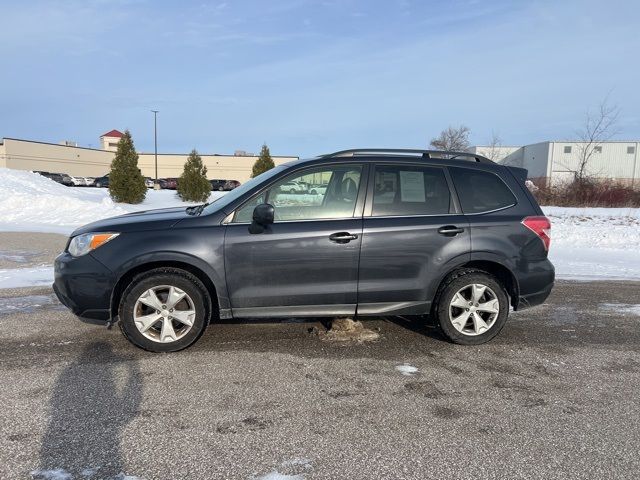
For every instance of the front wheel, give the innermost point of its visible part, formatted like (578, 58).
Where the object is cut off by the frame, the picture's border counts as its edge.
(164, 310)
(472, 307)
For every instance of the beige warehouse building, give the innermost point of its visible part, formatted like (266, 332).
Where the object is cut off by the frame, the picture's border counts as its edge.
(92, 162)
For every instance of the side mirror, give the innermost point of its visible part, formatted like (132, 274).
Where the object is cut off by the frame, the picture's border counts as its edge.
(263, 216)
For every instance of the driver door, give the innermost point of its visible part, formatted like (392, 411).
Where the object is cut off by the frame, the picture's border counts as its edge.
(306, 262)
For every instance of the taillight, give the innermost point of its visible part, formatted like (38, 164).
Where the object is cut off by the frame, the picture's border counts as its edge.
(541, 226)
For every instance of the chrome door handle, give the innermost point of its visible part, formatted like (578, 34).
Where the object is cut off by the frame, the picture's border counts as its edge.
(342, 237)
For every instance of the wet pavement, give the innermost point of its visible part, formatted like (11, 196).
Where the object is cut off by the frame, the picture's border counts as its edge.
(555, 395)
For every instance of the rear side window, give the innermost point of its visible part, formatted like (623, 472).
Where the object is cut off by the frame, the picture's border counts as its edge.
(480, 191)
(410, 190)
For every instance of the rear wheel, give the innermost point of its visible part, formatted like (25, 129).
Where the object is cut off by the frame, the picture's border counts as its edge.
(472, 307)
(164, 310)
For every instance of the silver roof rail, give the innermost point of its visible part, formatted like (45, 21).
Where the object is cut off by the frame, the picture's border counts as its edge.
(443, 154)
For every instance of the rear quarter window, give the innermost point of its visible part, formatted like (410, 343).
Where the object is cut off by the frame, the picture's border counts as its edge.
(481, 191)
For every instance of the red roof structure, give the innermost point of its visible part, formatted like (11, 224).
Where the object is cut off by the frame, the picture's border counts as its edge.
(113, 133)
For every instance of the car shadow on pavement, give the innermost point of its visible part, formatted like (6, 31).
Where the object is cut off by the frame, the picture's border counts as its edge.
(421, 324)
(93, 400)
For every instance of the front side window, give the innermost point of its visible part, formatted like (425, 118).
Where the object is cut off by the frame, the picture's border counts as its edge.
(480, 191)
(410, 190)
(313, 194)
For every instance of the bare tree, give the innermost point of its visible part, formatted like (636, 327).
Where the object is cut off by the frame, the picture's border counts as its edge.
(453, 138)
(598, 128)
(494, 147)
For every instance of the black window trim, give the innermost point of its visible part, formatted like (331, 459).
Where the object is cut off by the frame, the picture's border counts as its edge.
(454, 208)
(357, 211)
(515, 197)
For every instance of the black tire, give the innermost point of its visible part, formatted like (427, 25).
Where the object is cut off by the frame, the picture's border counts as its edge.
(221, 189)
(450, 286)
(164, 276)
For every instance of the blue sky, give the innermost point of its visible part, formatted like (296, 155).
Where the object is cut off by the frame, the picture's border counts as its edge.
(309, 77)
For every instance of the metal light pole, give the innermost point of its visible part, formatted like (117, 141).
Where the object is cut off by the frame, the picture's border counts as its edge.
(155, 142)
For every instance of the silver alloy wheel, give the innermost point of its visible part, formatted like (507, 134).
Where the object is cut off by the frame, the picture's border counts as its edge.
(474, 309)
(164, 313)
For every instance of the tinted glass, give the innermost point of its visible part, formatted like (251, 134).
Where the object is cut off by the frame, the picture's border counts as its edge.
(480, 191)
(410, 190)
(326, 192)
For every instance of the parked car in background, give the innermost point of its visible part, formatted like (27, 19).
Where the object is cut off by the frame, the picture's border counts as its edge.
(317, 189)
(78, 181)
(230, 185)
(293, 187)
(90, 181)
(61, 178)
(168, 183)
(102, 181)
(218, 184)
(461, 239)
(148, 181)
(64, 179)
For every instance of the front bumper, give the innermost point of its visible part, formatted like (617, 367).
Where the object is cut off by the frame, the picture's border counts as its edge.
(84, 286)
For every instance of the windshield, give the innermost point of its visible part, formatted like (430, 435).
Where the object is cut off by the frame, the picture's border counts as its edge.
(236, 193)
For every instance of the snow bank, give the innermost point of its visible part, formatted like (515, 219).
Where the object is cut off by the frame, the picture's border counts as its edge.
(32, 203)
(595, 243)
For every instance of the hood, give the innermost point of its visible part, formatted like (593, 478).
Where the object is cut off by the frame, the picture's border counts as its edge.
(137, 221)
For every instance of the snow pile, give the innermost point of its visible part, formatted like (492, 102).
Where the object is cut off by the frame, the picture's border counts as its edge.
(612, 228)
(595, 243)
(33, 203)
(28, 198)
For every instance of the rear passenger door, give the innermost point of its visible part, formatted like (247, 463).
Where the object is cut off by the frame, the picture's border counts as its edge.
(412, 229)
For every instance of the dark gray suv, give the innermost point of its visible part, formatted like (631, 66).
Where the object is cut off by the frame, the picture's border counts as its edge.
(391, 232)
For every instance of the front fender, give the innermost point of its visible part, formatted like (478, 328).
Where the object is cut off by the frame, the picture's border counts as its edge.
(200, 248)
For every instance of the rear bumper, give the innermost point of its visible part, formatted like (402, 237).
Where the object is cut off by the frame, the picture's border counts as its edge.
(536, 284)
(84, 286)
(533, 299)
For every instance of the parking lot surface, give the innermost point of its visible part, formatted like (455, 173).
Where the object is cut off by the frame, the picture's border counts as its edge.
(554, 396)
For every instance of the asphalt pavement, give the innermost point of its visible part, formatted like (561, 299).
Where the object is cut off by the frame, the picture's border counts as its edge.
(555, 395)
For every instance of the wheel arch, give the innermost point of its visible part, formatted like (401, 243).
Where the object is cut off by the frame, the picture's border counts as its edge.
(126, 278)
(491, 266)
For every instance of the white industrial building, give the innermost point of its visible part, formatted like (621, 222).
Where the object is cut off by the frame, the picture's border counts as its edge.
(556, 162)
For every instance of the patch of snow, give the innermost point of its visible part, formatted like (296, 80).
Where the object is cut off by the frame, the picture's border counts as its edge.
(624, 308)
(406, 369)
(89, 472)
(62, 474)
(56, 474)
(275, 475)
(26, 277)
(32, 203)
(297, 469)
(15, 257)
(9, 305)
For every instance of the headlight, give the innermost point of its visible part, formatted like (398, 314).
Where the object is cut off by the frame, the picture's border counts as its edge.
(83, 244)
